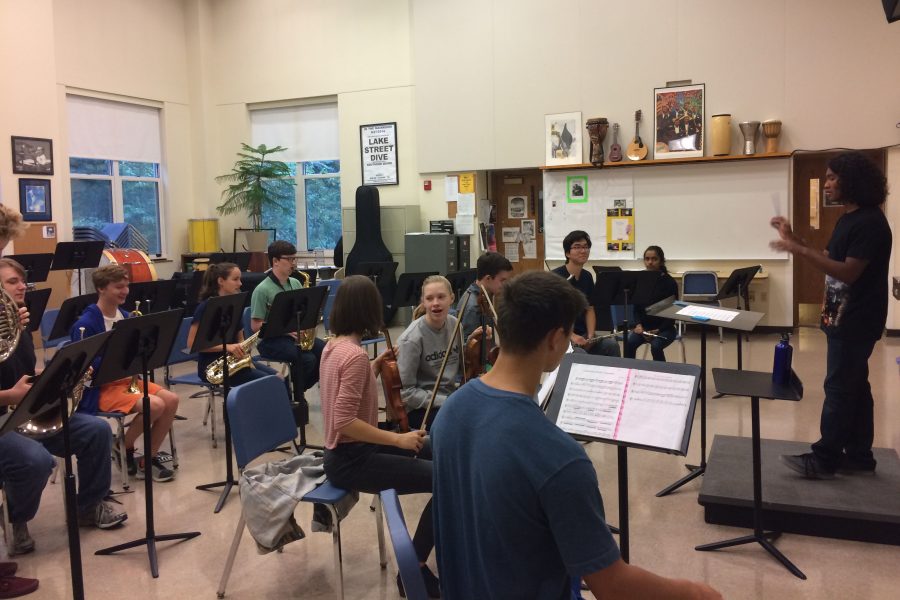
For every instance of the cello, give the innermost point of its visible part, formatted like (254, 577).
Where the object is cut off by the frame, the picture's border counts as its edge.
(390, 383)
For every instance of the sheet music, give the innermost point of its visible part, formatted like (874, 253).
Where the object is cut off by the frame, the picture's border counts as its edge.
(548, 383)
(710, 312)
(628, 405)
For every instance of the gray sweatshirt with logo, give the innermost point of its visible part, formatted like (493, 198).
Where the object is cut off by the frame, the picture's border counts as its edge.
(421, 352)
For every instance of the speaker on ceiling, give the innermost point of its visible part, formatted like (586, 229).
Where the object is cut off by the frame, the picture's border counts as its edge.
(891, 10)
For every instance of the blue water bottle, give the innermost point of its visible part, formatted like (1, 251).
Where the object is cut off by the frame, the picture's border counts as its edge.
(781, 369)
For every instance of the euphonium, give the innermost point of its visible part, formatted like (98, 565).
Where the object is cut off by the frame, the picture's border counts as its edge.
(133, 384)
(215, 372)
(307, 337)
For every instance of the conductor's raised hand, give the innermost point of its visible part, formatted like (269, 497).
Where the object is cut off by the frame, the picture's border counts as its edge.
(413, 440)
(783, 227)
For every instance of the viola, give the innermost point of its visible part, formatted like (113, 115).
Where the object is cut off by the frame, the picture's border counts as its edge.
(390, 382)
(477, 355)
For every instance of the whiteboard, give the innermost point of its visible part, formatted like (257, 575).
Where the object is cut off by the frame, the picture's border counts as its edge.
(694, 212)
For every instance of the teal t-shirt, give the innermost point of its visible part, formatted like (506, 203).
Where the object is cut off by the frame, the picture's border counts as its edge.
(265, 292)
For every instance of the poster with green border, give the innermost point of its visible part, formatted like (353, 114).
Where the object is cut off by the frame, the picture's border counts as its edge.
(576, 189)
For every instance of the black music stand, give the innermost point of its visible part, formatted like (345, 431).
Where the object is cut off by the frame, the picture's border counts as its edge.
(291, 312)
(461, 280)
(626, 288)
(69, 312)
(77, 256)
(36, 302)
(619, 432)
(220, 323)
(138, 345)
(49, 394)
(738, 285)
(756, 385)
(37, 266)
(744, 321)
(154, 296)
(241, 259)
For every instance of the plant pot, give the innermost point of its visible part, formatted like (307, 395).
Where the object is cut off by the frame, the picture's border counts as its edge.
(257, 241)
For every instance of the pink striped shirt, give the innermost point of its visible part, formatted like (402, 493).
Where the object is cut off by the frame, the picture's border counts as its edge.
(347, 389)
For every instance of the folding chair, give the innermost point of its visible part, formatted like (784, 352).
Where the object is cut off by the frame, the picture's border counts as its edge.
(404, 552)
(261, 420)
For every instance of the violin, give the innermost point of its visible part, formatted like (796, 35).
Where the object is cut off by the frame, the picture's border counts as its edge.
(390, 382)
(477, 355)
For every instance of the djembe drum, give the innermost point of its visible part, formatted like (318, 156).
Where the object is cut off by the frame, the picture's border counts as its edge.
(771, 129)
(597, 129)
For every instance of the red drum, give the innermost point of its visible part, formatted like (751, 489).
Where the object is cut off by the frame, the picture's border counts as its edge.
(135, 262)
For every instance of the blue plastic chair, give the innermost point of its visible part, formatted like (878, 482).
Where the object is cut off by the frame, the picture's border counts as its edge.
(47, 322)
(261, 420)
(181, 354)
(404, 552)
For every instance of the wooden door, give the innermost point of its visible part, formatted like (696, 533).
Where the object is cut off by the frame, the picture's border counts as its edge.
(809, 282)
(516, 198)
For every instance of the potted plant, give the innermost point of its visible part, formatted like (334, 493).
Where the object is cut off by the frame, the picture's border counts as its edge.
(255, 182)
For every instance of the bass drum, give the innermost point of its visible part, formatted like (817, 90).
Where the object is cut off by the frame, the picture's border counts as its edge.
(136, 262)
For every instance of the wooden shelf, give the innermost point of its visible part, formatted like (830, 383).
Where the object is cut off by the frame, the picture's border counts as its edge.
(668, 161)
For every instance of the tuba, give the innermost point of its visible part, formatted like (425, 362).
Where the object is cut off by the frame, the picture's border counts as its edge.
(307, 337)
(215, 372)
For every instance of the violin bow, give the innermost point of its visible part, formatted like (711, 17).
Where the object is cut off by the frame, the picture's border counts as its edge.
(453, 338)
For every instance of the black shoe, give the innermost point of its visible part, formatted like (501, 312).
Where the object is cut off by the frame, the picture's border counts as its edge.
(853, 466)
(432, 584)
(807, 465)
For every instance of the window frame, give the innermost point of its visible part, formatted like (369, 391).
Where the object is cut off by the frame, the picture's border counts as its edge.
(303, 239)
(118, 195)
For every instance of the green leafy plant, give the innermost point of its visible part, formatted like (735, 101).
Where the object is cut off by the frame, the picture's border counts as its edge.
(252, 183)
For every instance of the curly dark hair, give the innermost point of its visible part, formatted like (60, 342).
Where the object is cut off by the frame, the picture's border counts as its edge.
(860, 180)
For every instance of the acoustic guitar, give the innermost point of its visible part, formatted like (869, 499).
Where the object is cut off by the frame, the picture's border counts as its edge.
(636, 149)
(615, 151)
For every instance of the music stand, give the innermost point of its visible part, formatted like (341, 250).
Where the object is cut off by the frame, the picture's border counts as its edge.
(756, 385)
(77, 256)
(37, 266)
(241, 259)
(220, 323)
(36, 303)
(743, 320)
(293, 311)
(461, 280)
(138, 345)
(69, 312)
(636, 419)
(48, 394)
(738, 285)
(154, 296)
(625, 288)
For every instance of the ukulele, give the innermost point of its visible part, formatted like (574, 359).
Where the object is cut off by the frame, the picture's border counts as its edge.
(636, 149)
(615, 151)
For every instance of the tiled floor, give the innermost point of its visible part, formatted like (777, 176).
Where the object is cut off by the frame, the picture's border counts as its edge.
(664, 530)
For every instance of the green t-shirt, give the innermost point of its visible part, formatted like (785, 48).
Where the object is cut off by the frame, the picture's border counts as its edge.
(265, 292)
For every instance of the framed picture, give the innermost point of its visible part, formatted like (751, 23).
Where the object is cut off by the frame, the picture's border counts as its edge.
(679, 129)
(378, 153)
(563, 137)
(518, 207)
(577, 188)
(34, 199)
(32, 156)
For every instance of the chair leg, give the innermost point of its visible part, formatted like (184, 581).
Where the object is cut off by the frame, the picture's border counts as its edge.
(172, 447)
(55, 471)
(336, 538)
(229, 563)
(379, 517)
(7, 527)
(123, 459)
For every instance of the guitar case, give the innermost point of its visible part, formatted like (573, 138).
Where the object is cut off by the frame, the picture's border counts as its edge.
(369, 245)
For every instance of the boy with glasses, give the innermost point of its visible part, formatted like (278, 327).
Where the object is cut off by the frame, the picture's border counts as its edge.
(304, 364)
(577, 246)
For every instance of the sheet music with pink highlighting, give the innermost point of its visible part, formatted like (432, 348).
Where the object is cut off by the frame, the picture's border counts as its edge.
(628, 405)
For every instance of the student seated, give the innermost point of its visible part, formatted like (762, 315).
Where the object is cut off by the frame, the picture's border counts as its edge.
(656, 331)
(422, 348)
(26, 462)
(358, 455)
(577, 247)
(223, 279)
(517, 507)
(492, 270)
(111, 283)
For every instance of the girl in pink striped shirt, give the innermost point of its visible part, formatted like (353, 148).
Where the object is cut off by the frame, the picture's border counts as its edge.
(358, 455)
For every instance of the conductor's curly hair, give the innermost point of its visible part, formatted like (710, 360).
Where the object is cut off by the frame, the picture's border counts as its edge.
(11, 223)
(859, 179)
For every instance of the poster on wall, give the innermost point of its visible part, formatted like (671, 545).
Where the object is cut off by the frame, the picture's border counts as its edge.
(378, 151)
(678, 130)
(620, 226)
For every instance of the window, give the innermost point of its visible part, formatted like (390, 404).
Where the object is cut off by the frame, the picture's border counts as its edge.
(113, 191)
(309, 214)
(318, 191)
(115, 165)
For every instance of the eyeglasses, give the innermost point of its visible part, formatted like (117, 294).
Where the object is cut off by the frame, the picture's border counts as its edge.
(580, 247)
(292, 258)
